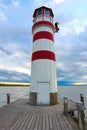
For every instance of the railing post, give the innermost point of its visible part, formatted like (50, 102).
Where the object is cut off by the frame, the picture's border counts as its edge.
(85, 126)
(65, 105)
(80, 117)
(82, 98)
(82, 112)
(8, 98)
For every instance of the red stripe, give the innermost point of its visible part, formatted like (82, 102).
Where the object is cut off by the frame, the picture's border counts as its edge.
(46, 23)
(43, 34)
(43, 55)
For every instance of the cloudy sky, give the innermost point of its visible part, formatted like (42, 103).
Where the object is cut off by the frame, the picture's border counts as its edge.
(70, 42)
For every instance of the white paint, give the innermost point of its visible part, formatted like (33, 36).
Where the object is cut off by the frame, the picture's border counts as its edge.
(44, 18)
(50, 19)
(43, 44)
(43, 28)
(43, 94)
(43, 70)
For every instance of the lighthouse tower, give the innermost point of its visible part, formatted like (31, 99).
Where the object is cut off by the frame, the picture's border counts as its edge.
(43, 89)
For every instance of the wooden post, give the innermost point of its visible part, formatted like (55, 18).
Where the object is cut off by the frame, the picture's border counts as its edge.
(83, 117)
(82, 98)
(8, 98)
(85, 127)
(65, 105)
(80, 110)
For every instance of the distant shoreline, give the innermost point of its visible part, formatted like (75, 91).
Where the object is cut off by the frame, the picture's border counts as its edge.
(13, 84)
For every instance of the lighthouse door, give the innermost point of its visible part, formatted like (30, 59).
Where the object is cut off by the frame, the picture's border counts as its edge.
(43, 96)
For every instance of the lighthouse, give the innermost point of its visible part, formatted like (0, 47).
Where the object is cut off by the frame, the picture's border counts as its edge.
(43, 89)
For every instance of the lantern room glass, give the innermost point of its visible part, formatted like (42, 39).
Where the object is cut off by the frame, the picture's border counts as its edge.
(47, 12)
(39, 12)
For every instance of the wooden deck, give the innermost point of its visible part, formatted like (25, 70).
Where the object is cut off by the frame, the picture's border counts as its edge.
(20, 115)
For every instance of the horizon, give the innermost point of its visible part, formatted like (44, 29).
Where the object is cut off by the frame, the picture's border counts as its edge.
(59, 83)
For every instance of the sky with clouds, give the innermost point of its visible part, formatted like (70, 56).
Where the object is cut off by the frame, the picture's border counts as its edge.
(70, 42)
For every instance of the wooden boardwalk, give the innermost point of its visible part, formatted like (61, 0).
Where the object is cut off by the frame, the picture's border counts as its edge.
(20, 115)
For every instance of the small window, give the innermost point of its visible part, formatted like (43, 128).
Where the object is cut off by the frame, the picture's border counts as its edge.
(39, 11)
(47, 12)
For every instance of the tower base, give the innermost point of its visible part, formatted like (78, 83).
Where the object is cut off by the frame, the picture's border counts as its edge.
(53, 98)
(33, 98)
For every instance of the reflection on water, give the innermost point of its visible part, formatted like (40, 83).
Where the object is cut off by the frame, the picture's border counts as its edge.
(72, 92)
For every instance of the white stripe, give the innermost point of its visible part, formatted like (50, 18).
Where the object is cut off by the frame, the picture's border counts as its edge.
(43, 28)
(46, 18)
(43, 44)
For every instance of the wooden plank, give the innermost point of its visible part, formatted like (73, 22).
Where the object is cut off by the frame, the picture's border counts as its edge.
(47, 122)
(14, 119)
(57, 123)
(31, 120)
(20, 120)
(37, 122)
(50, 122)
(44, 124)
(27, 121)
(23, 120)
(66, 123)
(9, 121)
(17, 123)
(40, 123)
(22, 116)
(53, 121)
(55, 128)
(60, 122)
(34, 121)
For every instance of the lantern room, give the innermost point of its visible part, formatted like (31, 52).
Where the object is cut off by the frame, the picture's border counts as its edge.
(43, 14)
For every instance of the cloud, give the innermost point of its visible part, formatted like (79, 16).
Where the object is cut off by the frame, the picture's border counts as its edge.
(71, 66)
(48, 3)
(16, 58)
(71, 53)
(5, 3)
(58, 1)
(21, 69)
(73, 27)
(15, 3)
(13, 76)
(5, 51)
(52, 3)
(15, 38)
(3, 17)
(3, 6)
(80, 83)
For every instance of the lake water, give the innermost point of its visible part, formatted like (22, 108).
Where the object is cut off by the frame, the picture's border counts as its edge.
(72, 92)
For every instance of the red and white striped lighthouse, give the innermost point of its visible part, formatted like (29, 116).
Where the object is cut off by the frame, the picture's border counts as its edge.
(43, 89)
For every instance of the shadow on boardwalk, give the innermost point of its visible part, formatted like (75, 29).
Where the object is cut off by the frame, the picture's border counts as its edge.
(20, 115)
